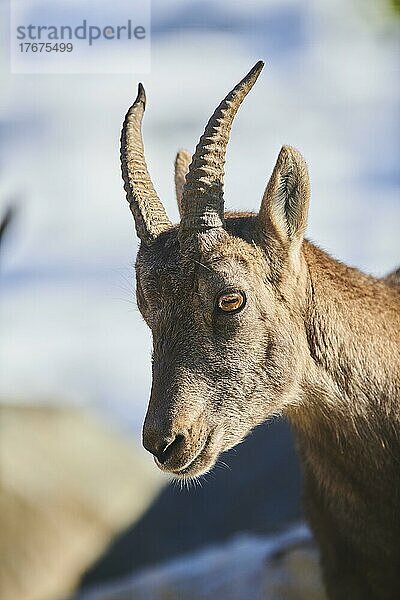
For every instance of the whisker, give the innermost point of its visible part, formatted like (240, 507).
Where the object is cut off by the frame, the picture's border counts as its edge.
(204, 266)
(224, 465)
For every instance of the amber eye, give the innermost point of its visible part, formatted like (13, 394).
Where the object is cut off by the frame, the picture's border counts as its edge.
(231, 302)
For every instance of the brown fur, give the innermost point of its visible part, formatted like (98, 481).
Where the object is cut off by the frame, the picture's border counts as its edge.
(321, 347)
(348, 429)
(314, 340)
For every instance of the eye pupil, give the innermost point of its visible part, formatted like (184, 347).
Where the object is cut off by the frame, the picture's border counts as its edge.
(231, 302)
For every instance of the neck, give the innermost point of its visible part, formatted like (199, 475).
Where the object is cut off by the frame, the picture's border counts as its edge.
(347, 423)
(353, 333)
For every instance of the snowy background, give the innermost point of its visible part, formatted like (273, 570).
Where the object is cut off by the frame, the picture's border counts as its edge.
(70, 330)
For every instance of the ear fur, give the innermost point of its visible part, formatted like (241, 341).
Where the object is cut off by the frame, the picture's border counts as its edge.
(284, 207)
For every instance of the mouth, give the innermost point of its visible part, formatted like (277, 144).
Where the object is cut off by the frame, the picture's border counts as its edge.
(199, 464)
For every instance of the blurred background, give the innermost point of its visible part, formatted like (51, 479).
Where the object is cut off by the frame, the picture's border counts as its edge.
(83, 510)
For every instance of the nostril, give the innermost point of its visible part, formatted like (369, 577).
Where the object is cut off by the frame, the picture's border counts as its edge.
(171, 448)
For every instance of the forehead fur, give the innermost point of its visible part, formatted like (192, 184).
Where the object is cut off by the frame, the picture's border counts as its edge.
(237, 242)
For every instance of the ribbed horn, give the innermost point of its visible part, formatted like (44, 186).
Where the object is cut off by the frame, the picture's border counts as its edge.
(147, 209)
(182, 162)
(202, 199)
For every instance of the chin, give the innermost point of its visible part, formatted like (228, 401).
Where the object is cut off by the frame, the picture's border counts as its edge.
(195, 469)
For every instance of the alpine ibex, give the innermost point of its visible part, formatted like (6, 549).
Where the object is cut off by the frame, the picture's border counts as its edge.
(250, 320)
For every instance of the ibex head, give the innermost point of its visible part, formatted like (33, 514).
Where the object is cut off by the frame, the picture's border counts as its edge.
(223, 294)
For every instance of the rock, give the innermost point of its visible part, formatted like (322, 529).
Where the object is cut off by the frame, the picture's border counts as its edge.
(68, 485)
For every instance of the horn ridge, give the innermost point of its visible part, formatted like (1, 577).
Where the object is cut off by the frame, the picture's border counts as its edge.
(202, 201)
(146, 207)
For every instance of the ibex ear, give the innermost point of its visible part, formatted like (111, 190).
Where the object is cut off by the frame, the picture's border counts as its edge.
(284, 207)
(182, 162)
